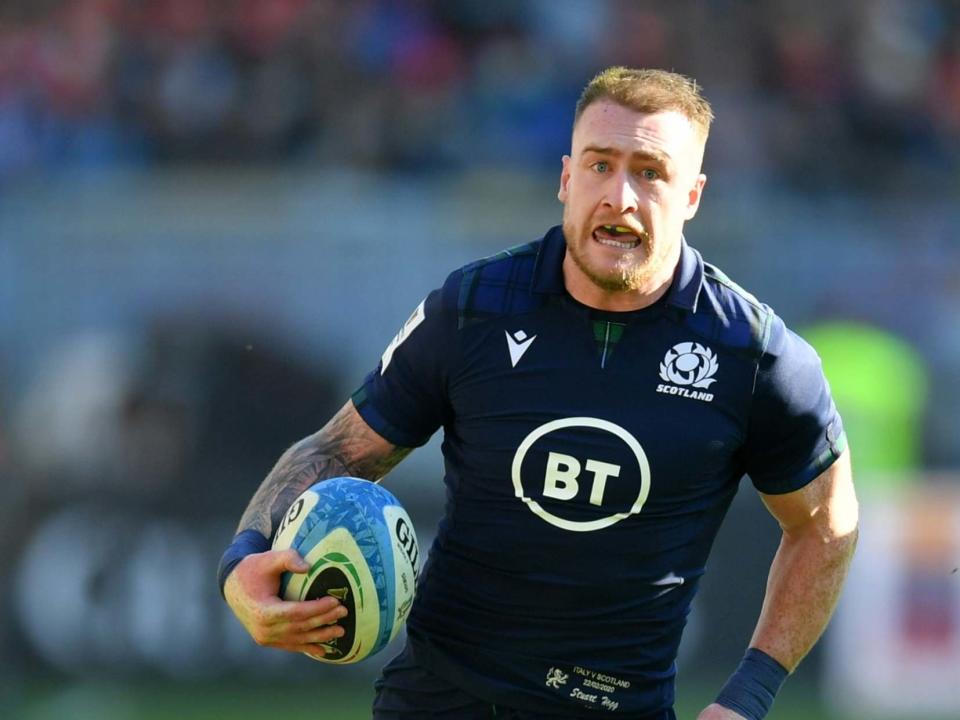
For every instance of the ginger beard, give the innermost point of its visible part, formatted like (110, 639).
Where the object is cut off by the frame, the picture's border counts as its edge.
(632, 270)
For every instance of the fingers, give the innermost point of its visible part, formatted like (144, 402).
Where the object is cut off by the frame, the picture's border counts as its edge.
(280, 634)
(312, 643)
(281, 623)
(277, 562)
(256, 578)
(290, 560)
(313, 622)
(282, 620)
(297, 626)
(323, 635)
(301, 614)
(293, 611)
(314, 651)
(296, 643)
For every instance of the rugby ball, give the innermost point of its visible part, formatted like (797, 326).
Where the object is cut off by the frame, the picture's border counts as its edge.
(362, 549)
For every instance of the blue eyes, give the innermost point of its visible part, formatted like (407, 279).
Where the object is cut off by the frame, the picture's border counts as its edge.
(602, 167)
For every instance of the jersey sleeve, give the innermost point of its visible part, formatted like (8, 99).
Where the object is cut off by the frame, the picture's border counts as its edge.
(404, 399)
(795, 431)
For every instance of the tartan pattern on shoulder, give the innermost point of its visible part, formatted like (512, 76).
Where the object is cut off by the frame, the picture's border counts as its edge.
(731, 314)
(498, 285)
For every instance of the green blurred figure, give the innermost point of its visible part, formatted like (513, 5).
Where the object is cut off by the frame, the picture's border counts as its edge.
(879, 383)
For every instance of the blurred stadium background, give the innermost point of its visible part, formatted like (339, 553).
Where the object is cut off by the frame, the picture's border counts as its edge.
(214, 214)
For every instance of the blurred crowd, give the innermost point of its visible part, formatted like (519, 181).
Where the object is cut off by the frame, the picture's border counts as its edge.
(870, 87)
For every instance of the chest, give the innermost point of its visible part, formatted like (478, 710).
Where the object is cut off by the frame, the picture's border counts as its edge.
(593, 418)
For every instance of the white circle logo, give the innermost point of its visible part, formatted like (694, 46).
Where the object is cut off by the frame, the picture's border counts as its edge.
(566, 475)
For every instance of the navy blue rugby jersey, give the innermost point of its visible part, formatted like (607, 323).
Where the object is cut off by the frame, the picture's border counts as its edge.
(590, 458)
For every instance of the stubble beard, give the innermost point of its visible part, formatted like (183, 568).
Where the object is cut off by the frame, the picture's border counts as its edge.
(628, 275)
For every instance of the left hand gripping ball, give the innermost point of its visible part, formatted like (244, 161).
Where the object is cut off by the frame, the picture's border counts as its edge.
(362, 549)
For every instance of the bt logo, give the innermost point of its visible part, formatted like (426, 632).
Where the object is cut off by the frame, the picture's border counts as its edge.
(563, 473)
(564, 476)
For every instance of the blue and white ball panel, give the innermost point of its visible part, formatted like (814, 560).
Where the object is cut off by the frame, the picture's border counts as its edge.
(296, 516)
(362, 549)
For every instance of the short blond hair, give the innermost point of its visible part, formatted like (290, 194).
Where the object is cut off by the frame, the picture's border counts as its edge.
(649, 91)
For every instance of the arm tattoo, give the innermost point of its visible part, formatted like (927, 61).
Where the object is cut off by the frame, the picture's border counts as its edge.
(344, 446)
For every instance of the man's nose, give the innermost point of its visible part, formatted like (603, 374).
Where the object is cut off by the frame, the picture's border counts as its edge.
(621, 195)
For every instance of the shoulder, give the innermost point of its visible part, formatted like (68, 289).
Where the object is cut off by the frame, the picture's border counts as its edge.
(490, 287)
(493, 286)
(731, 316)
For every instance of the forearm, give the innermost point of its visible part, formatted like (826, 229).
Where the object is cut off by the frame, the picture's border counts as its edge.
(819, 523)
(344, 446)
(803, 588)
(298, 468)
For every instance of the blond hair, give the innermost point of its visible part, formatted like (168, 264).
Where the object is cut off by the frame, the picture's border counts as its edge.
(649, 91)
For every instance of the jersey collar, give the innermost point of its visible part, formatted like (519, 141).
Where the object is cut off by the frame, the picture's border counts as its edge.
(683, 293)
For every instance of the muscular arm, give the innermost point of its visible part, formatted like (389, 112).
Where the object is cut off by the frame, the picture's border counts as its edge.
(819, 524)
(344, 446)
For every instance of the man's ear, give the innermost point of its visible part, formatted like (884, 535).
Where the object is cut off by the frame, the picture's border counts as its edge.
(564, 179)
(693, 197)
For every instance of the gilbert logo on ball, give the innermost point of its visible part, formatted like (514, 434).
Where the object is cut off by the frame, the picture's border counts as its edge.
(362, 549)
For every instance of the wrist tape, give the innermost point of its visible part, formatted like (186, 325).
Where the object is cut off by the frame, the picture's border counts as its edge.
(753, 686)
(245, 543)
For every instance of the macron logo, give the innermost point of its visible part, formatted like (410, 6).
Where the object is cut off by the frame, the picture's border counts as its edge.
(518, 344)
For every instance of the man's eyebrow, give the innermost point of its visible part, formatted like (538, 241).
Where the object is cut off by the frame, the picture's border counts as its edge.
(659, 157)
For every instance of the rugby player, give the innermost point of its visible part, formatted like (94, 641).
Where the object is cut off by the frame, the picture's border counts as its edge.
(602, 391)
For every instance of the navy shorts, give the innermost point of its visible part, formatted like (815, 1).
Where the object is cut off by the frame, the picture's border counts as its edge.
(407, 691)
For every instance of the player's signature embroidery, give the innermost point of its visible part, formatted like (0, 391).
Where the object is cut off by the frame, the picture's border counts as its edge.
(556, 678)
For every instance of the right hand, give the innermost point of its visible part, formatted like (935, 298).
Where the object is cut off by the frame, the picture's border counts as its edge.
(252, 591)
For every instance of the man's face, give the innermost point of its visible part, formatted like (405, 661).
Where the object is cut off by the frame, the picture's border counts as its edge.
(631, 181)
